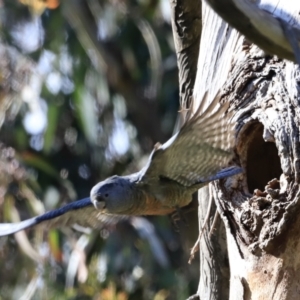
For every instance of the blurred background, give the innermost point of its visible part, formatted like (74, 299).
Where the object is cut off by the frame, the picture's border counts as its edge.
(86, 89)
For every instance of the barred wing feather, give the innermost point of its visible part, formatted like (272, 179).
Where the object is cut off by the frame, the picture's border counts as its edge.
(199, 150)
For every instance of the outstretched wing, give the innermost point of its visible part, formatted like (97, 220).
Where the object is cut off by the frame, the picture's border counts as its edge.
(81, 212)
(198, 151)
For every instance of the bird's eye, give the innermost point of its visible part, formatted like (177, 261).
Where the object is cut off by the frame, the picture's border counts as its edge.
(106, 195)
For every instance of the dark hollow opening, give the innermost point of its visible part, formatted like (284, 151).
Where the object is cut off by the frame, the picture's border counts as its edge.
(263, 163)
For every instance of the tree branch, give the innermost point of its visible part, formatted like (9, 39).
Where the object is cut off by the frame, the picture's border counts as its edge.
(266, 29)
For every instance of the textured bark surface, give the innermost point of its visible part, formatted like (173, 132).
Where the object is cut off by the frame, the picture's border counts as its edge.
(186, 24)
(260, 207)
(262, 212)
(214, 266)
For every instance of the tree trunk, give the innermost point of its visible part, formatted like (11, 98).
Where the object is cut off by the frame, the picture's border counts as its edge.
(260, 207)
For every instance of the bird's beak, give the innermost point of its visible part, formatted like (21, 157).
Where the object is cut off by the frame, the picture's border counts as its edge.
(100, 205)
(97, 199)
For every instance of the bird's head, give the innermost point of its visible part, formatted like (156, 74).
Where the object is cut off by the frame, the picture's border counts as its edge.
(115, 195)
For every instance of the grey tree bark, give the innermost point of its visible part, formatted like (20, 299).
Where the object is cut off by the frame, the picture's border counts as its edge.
(254, 251)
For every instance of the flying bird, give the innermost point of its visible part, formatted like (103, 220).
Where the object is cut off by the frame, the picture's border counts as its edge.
(193, 157)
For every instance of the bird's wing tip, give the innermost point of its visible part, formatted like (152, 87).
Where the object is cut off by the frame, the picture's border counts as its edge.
(10, 228)
(227, 172)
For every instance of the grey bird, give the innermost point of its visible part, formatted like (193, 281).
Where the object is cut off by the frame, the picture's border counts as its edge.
(175, 170)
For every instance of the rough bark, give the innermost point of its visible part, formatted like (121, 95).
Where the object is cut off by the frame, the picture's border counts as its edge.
(186, 24)
(259, 208)
(214, 266)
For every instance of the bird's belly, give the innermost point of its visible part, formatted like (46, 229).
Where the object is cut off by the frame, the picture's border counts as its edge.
(163, 199)
(174, 197)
